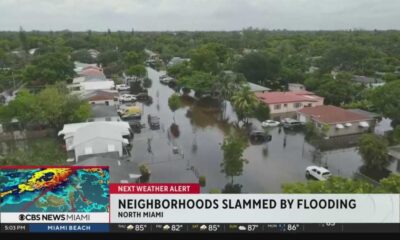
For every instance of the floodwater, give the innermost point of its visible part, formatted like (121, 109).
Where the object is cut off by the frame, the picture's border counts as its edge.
(199, 149)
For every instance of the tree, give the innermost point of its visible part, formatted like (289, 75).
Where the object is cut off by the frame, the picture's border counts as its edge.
(232, 164)
(132, 58)
(137, 70)
(82, 56)
(245, 102)
(332, 185)
(174, 103)
(200, 82)
(386, 101)
(37, 109)
(261, 112)
(337, 185)
(390, 184)
(373, 150)
(24, 108)
(260, 68)
(49, 68)
(204, 59)
(338, 92)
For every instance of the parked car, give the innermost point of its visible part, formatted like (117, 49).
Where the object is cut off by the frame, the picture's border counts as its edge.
(136, 126)
(163, 76)
(142, 96)
(289, 123)
(167, 80)
(259, 136)
(122, 87)
(270, 123)
(131, 112)
(127, 98)
(154, 121)
(319, 173)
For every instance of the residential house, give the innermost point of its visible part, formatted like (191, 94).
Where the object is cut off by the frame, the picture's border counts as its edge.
(69, 130)
(104, 97)
(177, 60)
(80, 66)
(335, 121)
(258, 88)
(91, 78)
(93, 53)
(292, 87)
(370, 82)
(394, 154)
(287, 103)
(102, 113)
(98, 138)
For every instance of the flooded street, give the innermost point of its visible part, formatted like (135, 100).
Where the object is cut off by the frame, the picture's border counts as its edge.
(199, 143)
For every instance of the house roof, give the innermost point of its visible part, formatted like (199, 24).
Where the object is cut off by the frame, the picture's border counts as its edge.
(366, 113)
(257, 88)
(101, 95)
(331, 114)
(97, 85)
(394, 151)
(287, 97)
(100, 111)
(97, 130)
(70, 129)
(366, 80)
(91, 72)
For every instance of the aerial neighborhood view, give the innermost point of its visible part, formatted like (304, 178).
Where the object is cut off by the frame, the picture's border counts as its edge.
(251, 110)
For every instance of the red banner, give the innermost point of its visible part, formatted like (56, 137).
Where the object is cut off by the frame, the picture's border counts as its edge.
(155, 188)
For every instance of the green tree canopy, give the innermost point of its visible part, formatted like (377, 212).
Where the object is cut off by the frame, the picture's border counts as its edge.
(232, 164)
(37, 109)
(199, 82)
(245, 103)
(337, 185)
(373, 150)
(49, 68)
(137, 70)
(204, 59)
(386, 100)
(260, 68)
(332, 185)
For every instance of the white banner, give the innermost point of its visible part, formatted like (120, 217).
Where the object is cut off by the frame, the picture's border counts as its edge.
(255, 208)
(48, 217)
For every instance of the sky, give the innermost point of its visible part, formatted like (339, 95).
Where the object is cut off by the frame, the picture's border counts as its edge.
(198, 15)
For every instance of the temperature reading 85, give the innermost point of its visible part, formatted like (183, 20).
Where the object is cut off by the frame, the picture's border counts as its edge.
(213, 228)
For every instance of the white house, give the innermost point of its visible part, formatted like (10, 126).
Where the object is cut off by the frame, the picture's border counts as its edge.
(97, 138)
(69, 130)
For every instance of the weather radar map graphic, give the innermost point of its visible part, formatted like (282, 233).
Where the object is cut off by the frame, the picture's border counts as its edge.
(54, 189)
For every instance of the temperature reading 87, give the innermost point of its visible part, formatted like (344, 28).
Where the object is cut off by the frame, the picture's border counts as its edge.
(252, 227)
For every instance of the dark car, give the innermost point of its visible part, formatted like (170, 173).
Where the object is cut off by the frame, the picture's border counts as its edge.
(142, 96)
(136, 126)
(259, 136)
(154, 121)
(292, 124)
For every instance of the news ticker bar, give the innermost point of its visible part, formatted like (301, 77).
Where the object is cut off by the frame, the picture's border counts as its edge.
(200, 228)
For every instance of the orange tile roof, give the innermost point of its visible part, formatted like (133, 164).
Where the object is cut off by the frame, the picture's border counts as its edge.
(331, 114)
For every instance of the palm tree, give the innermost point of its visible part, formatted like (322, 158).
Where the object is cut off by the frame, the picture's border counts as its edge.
(227, 84)
(244, 102)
